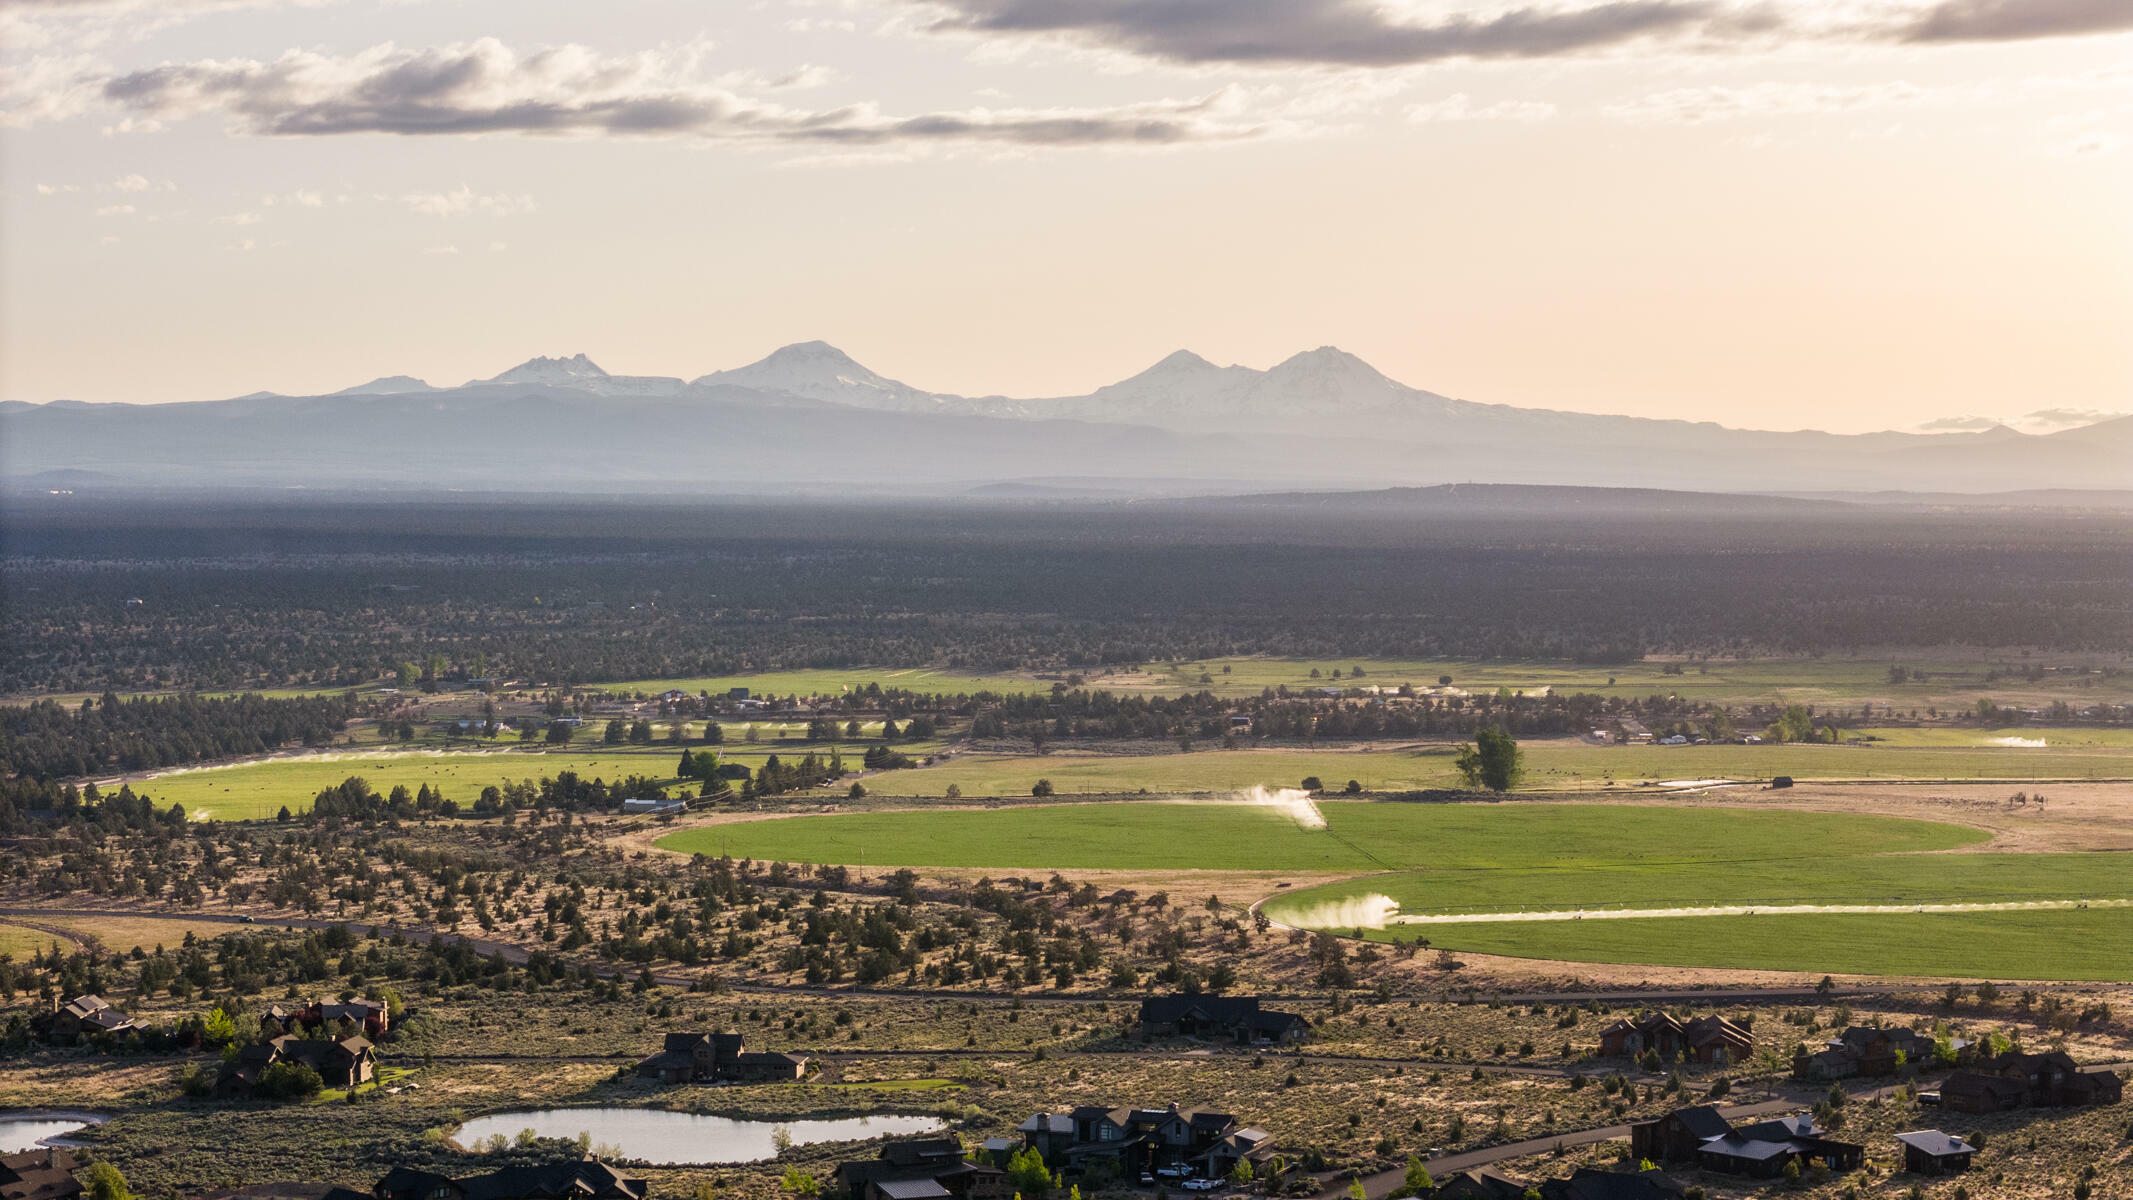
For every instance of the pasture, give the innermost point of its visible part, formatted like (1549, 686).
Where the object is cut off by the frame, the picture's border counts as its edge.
(257, 790)
(2081, 944)
(1562, 764)
(1358, 836)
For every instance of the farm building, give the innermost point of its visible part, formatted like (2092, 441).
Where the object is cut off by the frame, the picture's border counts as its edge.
(1237, 1018)
(654, 805)
(1931, 1152)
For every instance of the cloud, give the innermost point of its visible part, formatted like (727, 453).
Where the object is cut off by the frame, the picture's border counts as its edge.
(242, 218)
(115, 210)
(1694, 105)
(1352, 33)
(485, 87)
(1458, 107)
(464, 199)
(1378, 33)
(2019, 20)
(1960, 424)
(440, 249)
(300, 198)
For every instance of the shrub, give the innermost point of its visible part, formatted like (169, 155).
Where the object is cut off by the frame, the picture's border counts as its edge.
(290, 1081)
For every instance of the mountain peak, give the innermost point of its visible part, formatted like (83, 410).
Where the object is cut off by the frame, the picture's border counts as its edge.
(542, 369)
(387, 385)
(1325, 360)
(815, 352)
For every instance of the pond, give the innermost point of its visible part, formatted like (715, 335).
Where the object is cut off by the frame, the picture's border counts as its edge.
(27, 1131)
(655, 1136)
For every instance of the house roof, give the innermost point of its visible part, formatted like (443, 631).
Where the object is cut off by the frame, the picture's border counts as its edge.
(1047, 1123)
(1702, 1121)
(82, 1006)
(1778, 1129)
(1936, 1143)
(41, 1174)
(1745, 1149)
(911, 1189)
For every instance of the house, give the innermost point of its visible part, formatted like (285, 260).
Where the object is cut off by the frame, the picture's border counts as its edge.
(1479, 1184)
(922, 1169)
(44, 1173)
(370, 1018)
(1236, 1018)
(1759, 1151)
(2013, 1080)
(585, 1179)
(340, 1062)
(1677, 1136)
(86, 1016)
(1591, 1183)
(1125, 1140)
(1975, 1092)
(1703, 1040)
(1865, 1050)
(1931, 1152)
(283, 1191)
(717, 1058)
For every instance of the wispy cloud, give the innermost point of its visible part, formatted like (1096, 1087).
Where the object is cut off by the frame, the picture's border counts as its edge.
(1460, 107)
(485, 87)
(463, 199)
(2018, 20)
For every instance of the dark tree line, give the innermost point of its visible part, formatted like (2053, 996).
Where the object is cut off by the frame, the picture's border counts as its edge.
(48, 740)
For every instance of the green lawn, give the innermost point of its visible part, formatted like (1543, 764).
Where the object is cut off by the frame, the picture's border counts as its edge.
(2079, 944)
(1358, 837)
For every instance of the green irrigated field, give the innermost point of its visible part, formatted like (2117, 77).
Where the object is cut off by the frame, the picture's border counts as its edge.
(1873, 872)
(1560, 764)
(2080, 944)
(254, 790)
(1358, 837)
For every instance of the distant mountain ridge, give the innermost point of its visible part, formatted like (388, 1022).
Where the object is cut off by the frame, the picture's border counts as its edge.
(810, 414)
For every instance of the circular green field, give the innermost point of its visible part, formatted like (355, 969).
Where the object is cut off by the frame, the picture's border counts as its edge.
(1510, 858)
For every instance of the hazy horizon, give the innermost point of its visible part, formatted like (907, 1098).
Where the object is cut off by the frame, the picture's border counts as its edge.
(1879, 215)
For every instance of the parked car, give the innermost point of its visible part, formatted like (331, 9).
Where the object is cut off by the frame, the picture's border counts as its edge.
(1147, 1179)
(1929, 1099)
(1201, 1185)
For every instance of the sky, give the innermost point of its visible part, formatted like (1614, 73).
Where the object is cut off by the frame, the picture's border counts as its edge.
(1780, 214)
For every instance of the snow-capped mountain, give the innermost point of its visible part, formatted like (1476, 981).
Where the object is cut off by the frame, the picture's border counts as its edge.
(820, 371)
(580, 373)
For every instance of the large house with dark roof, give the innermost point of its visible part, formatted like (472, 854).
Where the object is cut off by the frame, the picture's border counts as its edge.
(1703, 1040)
(2051, 1079)
(585, 1179)
(718, 1058)
(1235, 1018)
(87, 1016)
(1129, 1140)
(45, 1173)
(1591, 1183)
(340, 1062)
(1703, 1136)
(922, 1169)
(1865, 1050)
(371, 1018)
